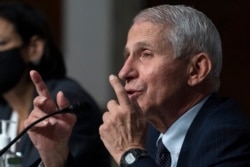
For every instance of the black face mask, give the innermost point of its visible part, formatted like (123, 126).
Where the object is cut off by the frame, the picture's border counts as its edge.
(12, 67)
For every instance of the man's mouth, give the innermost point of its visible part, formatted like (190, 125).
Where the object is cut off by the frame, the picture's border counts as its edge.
(133, 93)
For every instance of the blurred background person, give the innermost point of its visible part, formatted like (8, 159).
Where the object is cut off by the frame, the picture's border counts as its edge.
(25, 44)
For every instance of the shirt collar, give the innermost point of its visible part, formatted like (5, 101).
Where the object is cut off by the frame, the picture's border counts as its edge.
(173, 138)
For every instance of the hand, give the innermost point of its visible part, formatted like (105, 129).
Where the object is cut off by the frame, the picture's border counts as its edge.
(50, 136)
(124, 126)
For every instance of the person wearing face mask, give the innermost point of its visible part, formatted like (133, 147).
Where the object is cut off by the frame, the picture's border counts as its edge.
(26, 44)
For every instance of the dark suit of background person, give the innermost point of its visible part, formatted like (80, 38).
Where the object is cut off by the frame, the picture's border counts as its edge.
(219, 134)
(84, 142)
(85, 145)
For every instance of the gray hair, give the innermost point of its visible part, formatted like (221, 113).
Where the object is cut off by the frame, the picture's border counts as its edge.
(190, 32)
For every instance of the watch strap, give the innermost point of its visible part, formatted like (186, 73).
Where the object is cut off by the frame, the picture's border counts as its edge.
(132, 155)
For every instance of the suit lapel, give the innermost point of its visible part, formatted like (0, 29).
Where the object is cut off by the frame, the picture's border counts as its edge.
(212, 102)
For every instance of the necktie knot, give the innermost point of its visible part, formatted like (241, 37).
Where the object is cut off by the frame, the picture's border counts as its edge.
(163, 158)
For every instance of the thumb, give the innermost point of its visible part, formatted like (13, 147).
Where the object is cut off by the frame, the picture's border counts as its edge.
(139, 116)
(137, 108)
(62, 103)
(61, 100)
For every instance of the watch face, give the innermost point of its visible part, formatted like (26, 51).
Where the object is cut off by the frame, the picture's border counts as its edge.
(129, 158)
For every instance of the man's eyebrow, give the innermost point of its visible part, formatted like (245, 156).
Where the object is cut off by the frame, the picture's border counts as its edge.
(143, 44)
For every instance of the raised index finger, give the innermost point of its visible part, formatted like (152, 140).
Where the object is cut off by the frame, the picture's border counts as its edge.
(41, 88)
(119, 90)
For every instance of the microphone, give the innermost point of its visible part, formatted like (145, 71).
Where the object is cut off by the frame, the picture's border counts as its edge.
(77, 108)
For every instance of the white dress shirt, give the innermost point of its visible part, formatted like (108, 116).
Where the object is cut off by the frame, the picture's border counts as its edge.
(12, 129)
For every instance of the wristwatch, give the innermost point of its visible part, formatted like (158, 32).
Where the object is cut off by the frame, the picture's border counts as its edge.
(132, 155)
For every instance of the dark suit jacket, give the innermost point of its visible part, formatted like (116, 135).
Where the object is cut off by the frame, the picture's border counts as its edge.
(85, 144)
(219, 136)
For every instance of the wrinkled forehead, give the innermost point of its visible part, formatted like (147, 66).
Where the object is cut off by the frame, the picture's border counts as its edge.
(148, 34)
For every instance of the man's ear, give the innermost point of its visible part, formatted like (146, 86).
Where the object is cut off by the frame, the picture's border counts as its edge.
(200, 67)
(35, 49)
